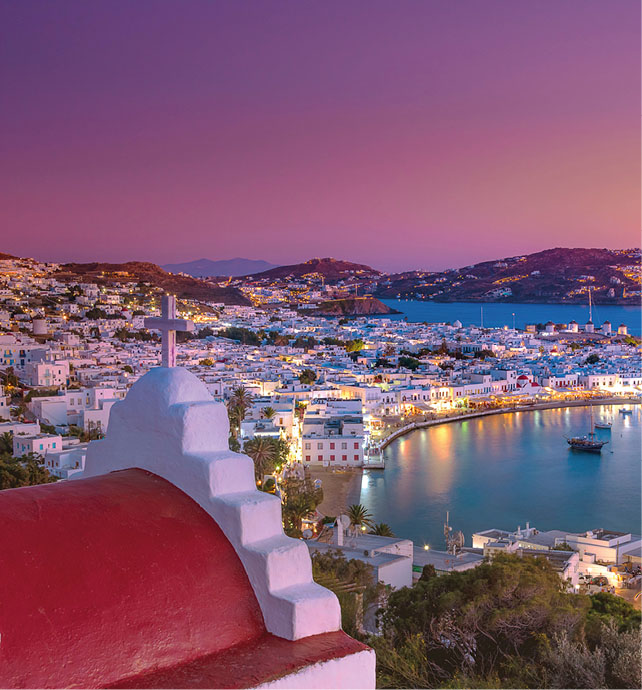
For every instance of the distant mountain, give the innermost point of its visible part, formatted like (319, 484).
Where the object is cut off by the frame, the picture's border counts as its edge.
(226, 267)
(141, 271)
(332, 270)
(554, 276)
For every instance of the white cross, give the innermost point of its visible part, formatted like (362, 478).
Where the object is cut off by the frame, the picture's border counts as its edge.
(168, 324)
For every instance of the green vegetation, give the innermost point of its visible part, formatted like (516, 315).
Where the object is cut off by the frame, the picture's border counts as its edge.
(244, 335)
(483, 354)
(236, 409)
(409, 363)
(268, 413)
(354, 345)
(508, 623)
(40, 393)
(307, 377)
(300, 498)
(207, 362)
(592, 359)
(354, 584)
(124, 335)
(382, 529)
(264, 453)
(360, 517)
(17, 472)
(563, 546)
(97, 313)
(305, 343)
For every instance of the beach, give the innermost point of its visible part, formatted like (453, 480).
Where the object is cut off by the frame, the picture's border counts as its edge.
(341, 488)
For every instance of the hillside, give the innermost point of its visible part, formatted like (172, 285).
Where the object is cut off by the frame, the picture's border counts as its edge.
(555, 275)
(140, 271)
(226, 267)
(332, 270)
(353, 306)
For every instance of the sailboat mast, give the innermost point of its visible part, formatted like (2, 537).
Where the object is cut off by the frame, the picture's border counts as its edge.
(590, 305)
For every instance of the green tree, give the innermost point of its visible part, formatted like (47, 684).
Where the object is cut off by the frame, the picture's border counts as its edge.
(593, 358)
(25, 471)
(360, 517)
(382, 529)
(606, 609)
(6, 443)
(268, 412)
(207, 362)
(307, 377)
(492, 622)
(409, 363)
(241, 397)
(262, 450)
(353, 581)
(300, 499)
(355, 345)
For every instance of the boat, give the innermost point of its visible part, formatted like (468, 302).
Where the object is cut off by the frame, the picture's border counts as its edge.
(589, 443)
(603, 425)
(625, 410)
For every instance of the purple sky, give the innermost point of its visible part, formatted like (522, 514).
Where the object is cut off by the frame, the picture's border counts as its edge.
(401, 134)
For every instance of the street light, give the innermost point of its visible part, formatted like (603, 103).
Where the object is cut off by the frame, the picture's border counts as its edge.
(426, 547)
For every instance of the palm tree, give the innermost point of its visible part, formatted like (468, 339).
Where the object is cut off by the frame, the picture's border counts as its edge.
(235, 414)
(382, 530)
(359, 517)
(6, 443)
(262, 451)
(268, 413)
(241, 398)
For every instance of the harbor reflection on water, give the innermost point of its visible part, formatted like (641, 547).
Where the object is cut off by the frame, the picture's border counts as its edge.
(504, 470)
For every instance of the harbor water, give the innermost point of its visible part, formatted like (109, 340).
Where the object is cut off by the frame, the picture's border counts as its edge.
(499, 314)
(505, 470)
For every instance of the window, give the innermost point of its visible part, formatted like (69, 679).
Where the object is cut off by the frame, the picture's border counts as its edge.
(344, 457)
(308, 446)
(356, 457)
(319, 446)
(356, 446)
(332, 458)
(320, 458)
(332, 446)
(307, 458)
(344, 446)
(53, 445)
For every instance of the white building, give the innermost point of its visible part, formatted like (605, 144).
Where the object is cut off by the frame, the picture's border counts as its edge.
(39, 444)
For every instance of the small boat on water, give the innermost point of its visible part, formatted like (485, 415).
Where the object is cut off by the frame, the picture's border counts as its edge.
(626, 410)
(589, 443)
(603, 425)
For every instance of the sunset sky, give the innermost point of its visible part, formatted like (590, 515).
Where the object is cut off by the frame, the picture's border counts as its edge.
(405, 134)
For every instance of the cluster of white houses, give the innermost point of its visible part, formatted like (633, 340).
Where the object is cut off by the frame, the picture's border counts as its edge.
(78, 358)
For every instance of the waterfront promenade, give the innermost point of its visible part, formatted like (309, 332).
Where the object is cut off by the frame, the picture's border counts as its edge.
(396, 429)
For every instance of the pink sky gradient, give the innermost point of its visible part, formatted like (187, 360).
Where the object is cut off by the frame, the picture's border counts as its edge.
(404, 134)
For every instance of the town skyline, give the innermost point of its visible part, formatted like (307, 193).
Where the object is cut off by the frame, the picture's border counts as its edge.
(367, 132)
(273, 261)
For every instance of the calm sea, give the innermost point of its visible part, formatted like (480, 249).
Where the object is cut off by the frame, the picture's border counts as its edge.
(501, 314)
(502, 471)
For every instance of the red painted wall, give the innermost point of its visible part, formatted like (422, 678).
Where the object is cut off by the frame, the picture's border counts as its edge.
(113, 577)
